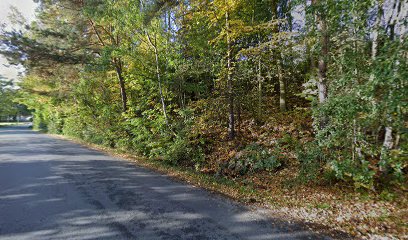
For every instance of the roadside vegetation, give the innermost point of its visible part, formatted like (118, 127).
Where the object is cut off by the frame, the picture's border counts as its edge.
(301, 105)
(10, 110)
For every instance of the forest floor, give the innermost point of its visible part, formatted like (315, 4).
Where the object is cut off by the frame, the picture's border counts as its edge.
(332, 209)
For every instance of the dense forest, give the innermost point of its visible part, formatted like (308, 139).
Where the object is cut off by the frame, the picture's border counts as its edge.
(179, 80)
(313, 90)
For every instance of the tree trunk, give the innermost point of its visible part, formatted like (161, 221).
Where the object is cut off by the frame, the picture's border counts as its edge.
(169, 23)
(231, 122)
(239, 116)
(388, 138)
(388, 141)
(398, 17)
(322, 82)
(117, 64)
(402, 16)
(374, 46)
(160, 87)
(156, 55)
(118, 67)
(259, 89)
(282, 88)
(322, 61)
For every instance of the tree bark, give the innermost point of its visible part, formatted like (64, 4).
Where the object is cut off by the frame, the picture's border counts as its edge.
(322, 61)
(118, 67)
(282, 88)
(402, 16)
(322, 73)
(324, 51)
(388, 138)
(399, 8)
(374, 46)
(259, 88)
(231, 122)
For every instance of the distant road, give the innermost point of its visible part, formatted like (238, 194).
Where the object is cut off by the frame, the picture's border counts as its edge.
(55, 189)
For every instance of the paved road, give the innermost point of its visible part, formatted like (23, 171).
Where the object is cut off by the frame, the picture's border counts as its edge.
(55, 189)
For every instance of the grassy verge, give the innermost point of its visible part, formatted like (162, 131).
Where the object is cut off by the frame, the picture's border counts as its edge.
(333, 209)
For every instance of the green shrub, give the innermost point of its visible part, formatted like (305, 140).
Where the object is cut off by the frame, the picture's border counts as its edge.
(39, 122)
(181, 151)
(318, 164)
(255, 158)
(55, 123)
(184, 148)
(312, 160)
(352, 171)
(74, 127)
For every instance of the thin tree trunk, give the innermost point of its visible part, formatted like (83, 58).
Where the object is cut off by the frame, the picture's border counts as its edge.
(156, 55)
(374, 45)
(259, 75)
(169, 23)
(231, 122)
(259, 89)
(388, 140)
(239, 116)
(117, 63)
(322, 61)
(322, 73)
(141, 6)
(181, 93)
(118, 67)
(282, 88)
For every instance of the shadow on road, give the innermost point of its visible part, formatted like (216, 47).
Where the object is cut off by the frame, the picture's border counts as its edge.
(53, 189)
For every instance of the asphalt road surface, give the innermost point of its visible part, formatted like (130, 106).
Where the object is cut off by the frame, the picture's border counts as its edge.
(55, 189)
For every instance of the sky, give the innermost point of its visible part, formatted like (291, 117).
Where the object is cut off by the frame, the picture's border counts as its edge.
(27, 8)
